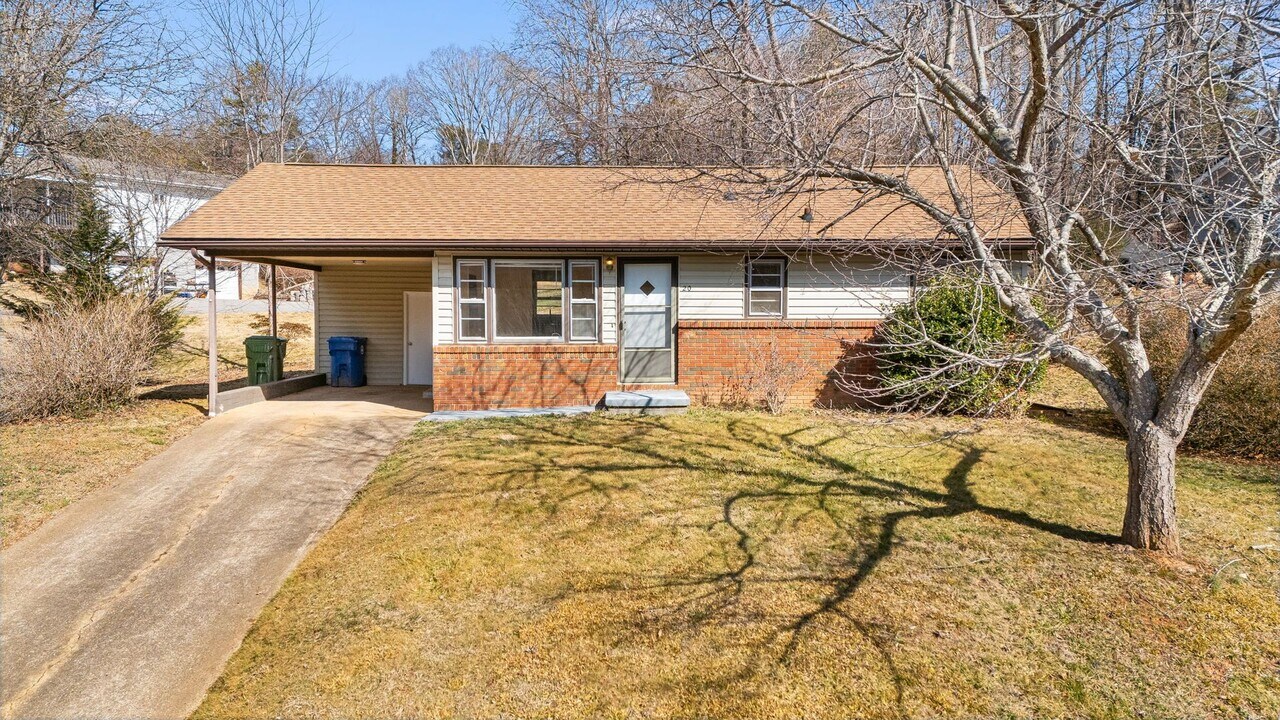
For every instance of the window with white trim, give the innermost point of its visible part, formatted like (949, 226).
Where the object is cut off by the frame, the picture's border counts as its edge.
(584, 303)
(528, 300)
(765, 287)
(472, 308)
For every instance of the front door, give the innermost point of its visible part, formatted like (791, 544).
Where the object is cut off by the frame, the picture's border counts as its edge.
(417, 338)
(648, 342)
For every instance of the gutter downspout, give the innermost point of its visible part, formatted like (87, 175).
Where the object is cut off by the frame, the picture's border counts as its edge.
(212, 295)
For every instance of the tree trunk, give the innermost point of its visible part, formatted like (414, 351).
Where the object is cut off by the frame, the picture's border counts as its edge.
(1149, 519)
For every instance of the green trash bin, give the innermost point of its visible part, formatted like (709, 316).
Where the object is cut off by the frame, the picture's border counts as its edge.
(266, 358)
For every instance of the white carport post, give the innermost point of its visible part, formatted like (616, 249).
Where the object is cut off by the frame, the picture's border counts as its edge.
(213, 335)
(271, 295)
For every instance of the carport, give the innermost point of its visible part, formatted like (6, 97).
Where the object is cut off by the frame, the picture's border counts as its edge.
(385, 297)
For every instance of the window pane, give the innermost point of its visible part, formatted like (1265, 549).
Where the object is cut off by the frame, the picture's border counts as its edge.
(646, 328)
(584, 310)
(766, 275)
(472, 311)
(471, 271)
(584, 329)
(584, 291)
(766, 303)
(584, 271)
(529, 301)
(470, 290)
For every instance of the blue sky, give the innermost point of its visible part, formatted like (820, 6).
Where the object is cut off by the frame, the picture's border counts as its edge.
(375, 38)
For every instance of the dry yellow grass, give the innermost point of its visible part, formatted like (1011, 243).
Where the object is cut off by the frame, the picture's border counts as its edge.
(48, 464)
(739, 565)
(190, 362)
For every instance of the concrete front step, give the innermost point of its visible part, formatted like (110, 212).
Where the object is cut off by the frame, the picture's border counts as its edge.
(647, 402)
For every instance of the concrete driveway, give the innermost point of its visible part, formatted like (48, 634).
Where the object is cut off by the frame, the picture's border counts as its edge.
(128, 603)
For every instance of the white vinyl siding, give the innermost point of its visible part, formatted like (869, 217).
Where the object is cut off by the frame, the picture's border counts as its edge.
(367, 301)
(818, 287)
(710, 287)
(442, 299)
(608, 305)
(821, 287)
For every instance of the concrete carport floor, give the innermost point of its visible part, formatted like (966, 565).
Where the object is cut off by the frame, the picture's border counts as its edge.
(128, 603)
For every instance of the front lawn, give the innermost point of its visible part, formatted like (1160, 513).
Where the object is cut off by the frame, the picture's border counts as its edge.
(738, 565)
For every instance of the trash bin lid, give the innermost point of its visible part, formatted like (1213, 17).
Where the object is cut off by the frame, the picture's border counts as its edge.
(346, 342)
(265, 343)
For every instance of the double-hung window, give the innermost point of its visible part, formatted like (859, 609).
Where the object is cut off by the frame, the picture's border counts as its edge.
(528, 300)
(472, 306)
(765, 283)
(584, 305)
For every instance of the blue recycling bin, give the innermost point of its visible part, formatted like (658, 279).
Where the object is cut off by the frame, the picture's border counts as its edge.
(346, 361)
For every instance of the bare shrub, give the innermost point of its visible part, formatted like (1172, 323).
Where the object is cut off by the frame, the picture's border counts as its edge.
(767, 378)
(76, 359)
(1240, 411)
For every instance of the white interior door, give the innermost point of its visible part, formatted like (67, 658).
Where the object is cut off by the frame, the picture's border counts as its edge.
(417, 338)
(648, 350)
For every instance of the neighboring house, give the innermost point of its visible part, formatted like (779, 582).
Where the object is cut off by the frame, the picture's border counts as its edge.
(142, 201)
(545, 286)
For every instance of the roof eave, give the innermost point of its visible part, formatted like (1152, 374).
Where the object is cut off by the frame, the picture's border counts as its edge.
(400, 246)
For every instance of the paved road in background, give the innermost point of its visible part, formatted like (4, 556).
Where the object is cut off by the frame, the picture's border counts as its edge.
(200, 306)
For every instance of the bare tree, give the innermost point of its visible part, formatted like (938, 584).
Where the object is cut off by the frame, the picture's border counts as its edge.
(265, 61)
(478, 107)
(583, 57)
(1114, 124)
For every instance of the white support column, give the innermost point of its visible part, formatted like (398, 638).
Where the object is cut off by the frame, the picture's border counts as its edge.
(213, 336)
(271, 295)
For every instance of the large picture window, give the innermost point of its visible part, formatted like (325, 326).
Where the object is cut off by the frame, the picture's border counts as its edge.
(528, 300)
(765, 282)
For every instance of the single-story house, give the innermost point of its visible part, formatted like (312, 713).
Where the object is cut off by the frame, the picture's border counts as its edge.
(543, 286)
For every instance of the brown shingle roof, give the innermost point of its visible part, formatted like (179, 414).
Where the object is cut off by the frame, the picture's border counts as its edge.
(398, 206)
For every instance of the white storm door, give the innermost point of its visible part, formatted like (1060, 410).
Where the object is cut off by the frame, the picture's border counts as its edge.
(417, 338)
(648, 347)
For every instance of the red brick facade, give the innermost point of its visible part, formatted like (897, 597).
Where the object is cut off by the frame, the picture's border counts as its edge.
(719, 361)
(734, 361)
(470, 377)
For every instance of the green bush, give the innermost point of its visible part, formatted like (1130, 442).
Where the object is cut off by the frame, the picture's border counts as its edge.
(1240, 412)
(960, 314)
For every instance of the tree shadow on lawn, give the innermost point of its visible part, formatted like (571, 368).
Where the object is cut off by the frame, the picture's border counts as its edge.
(754, 466)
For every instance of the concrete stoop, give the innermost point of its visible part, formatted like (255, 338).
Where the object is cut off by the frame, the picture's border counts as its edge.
(639, 402)
(646, 402)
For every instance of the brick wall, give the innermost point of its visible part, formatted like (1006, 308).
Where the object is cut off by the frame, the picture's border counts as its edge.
(728, 361)
(470, 377)
(720, 361)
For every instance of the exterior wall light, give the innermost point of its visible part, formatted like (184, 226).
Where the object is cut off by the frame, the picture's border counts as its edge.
(609, 262)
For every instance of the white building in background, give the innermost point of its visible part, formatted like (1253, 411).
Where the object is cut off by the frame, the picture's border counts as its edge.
(143, 201)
